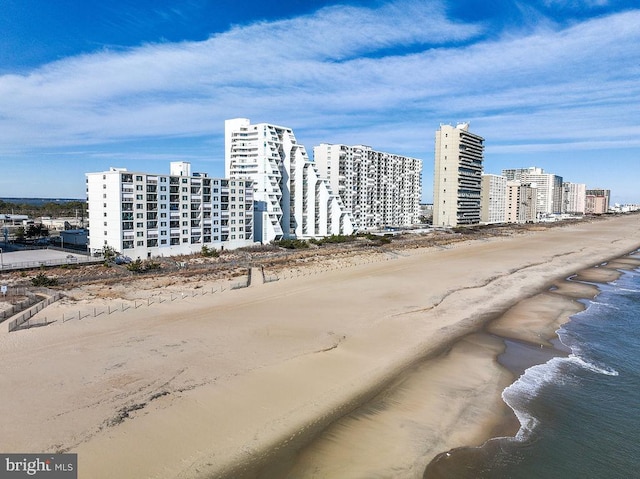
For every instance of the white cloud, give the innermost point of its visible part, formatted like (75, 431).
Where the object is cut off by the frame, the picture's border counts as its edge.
(577, 3)
(341, 70)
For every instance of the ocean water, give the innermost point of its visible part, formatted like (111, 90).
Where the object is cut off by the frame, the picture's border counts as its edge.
(579, 413)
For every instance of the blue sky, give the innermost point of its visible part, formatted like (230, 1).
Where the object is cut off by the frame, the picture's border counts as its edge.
(85, 85)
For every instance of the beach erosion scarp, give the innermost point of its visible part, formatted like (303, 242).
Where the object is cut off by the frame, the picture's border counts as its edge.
(243, 385)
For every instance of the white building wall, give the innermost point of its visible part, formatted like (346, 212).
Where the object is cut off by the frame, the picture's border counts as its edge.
(288, 190)
(150, 215)
(378, 189)
(494, 189)
(574, 198)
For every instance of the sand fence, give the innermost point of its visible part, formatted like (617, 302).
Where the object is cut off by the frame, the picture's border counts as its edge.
(255, 275)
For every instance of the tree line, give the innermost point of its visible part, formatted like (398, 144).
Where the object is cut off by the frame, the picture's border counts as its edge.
(54, 209)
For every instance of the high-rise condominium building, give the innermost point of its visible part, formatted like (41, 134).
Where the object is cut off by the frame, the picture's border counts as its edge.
(573, 198)
(144, 215)
(521, 202)
(377, 189)
(457, 178)
(597, 201)
(549, 187)
(291, 199)
(494, 189)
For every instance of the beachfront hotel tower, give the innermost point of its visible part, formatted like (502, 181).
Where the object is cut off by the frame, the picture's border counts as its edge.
(458, 176)
(493, 205)
(574, 196)
(377, 189)
(548, 186)
(144, 215)
(291, 199)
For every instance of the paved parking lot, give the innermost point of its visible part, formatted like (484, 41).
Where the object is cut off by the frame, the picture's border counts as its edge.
(39, 257)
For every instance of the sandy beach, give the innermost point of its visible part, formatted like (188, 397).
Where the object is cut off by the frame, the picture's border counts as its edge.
(366, 371)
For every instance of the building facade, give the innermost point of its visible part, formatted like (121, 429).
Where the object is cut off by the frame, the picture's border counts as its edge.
(291, 199)
(457, 177)
(377, 189)
(548, 185)
(597, 201)
(493, 205)
(573, 198)
(145, 215)
(521, 202)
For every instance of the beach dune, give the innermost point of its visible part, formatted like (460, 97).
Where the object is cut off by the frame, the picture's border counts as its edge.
(241, 384)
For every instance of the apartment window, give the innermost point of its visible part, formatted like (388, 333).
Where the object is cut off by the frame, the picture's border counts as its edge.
(105, 233)
(104, 187)
(139, 225)
(105, 214)
(185, 215)
(164, 241)
(104, 205)
(140, 234)
(138, 187)
(139, 206)
(140, 243)
(185, 240)
(139, 215)
(138, 178)
(105, 223)
(104, 196)
(139, 197)
(104, 177)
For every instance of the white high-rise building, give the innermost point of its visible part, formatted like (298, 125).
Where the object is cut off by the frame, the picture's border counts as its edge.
(457, 176)
(494, 190)
(144, 215)
(291, 199)
(377, 189)
(549, 187)
(573, 198)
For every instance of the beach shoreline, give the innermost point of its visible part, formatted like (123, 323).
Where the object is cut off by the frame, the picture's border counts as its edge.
(254, 376)
(465, 462)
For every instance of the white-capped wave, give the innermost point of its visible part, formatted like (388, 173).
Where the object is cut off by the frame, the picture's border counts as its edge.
(518, 394)
(527, 386)
(591, 366)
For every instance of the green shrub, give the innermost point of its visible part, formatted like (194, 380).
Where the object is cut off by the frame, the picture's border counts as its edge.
(291, 243)
(209, 252)
(42, 279)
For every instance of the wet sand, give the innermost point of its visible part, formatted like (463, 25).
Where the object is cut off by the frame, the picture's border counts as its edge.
(521, 329)
(274, 379)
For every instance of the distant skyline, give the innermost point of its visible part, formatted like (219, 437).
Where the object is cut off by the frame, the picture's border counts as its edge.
(89, 85)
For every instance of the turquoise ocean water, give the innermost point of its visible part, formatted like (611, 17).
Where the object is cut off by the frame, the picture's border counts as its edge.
(580, 414)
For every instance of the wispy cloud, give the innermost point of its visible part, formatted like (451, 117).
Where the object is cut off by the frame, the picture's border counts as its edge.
(384, 76)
